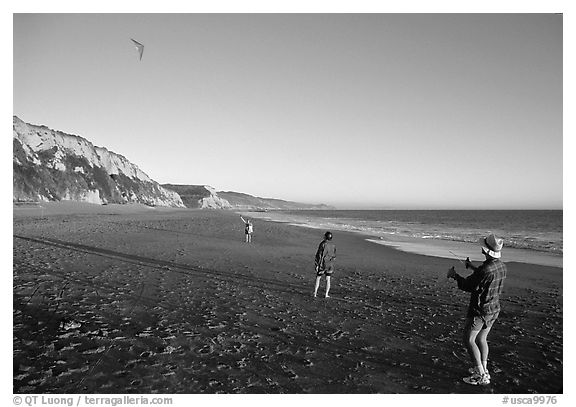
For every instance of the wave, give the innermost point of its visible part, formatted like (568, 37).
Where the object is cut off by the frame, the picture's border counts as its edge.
(528, 231)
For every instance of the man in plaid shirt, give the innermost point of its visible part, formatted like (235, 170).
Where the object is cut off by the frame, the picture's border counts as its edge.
(485, 286)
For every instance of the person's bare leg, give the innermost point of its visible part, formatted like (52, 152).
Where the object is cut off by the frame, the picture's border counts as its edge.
(317, 285)
(327, 286)
(482, 343)
(469, 339)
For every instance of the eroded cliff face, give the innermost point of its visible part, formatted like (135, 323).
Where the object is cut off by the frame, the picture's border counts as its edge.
(199, 196)
(50, 165)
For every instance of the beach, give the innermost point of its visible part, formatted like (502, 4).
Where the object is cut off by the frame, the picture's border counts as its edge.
(130, 299)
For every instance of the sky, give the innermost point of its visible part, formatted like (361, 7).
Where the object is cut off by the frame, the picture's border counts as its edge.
(455, 111)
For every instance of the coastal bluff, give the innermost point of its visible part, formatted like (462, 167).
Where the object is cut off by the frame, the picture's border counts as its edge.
(50, 165)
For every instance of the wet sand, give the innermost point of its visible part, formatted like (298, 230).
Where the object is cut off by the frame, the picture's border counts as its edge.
(112, 299)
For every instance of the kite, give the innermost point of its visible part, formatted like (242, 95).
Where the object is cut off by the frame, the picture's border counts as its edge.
(139, 48)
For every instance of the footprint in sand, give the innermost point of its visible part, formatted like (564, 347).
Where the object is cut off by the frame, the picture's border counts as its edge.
(21, 376)
(94, 350)
(120, 373)
(338, 335)
(238, 347)
(131, 364)
(223, 366)
(214, 383)
(265, 358)
(206, 349)
(147, 354)
(171, 349)
(241, 363)
(291, 374)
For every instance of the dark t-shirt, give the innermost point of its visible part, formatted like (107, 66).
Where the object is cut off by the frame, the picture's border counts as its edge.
(325, 255)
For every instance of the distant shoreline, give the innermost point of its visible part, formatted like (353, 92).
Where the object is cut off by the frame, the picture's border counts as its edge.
(426, 247)
(434, 247)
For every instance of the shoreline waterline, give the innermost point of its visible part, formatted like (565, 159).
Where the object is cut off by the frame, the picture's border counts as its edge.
(450, 249)
(461, 250)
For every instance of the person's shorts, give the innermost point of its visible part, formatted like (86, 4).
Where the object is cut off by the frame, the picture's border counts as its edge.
(327, 271)
(478, 323)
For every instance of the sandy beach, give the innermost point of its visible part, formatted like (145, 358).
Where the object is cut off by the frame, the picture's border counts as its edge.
(126, 299)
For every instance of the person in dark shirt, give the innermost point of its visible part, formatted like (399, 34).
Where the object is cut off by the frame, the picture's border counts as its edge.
(324, 262)
(485, 285)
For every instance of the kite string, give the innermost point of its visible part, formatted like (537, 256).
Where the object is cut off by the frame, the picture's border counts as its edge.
(457, 258)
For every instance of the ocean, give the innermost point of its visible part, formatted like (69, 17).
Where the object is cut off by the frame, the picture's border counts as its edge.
(530, 236)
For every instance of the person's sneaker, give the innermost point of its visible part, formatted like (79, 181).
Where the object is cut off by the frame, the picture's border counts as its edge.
(472, 370)
(477, 379)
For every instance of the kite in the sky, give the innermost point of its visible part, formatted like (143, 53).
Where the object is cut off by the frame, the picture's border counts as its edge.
(139, 47)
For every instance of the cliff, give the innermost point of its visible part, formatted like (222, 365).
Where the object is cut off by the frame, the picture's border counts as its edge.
(204, 196)
(199, 196)
(50, 165)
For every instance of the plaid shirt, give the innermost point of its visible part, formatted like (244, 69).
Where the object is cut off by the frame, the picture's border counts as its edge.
(486, 285)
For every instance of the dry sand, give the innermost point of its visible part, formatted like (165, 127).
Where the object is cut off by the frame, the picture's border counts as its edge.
(111, 299)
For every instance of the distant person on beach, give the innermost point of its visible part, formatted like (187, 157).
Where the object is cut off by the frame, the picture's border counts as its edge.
(248, 229)
(324, 262)
(485, 285)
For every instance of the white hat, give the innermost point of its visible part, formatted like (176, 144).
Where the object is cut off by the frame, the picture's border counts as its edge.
(491, 245)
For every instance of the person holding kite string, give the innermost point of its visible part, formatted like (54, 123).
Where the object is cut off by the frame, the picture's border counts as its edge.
(485, 285)
(324, 262)
(248, 229)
